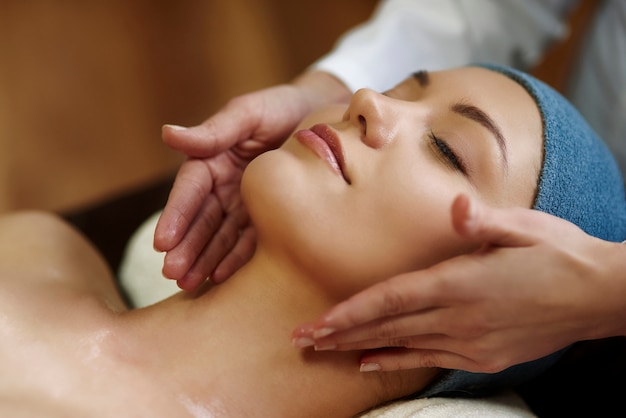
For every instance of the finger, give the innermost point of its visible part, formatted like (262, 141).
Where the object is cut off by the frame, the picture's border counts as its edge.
(192, 186)
(240, 254)
(394, 331)
(217, 134)
(401, 294)
(179, 260)
(190, 282)
(226, 236)
(302, 336)
(511, 227)
(431, 342)
(406, 359)
(221, 243)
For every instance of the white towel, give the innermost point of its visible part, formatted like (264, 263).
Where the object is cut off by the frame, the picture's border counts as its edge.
(507, 405)
(140, 269)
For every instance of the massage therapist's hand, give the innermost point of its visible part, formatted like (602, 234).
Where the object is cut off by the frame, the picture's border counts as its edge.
(204, 227)
(537, 284)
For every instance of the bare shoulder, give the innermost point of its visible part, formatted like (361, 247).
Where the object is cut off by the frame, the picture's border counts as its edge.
(65, 344)
(39, 248)
(44, 338)
(57, 299)
(63, 353)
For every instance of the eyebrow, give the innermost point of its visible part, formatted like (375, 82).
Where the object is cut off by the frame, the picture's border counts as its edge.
(471, 112)
(422, 77)
(474, 113)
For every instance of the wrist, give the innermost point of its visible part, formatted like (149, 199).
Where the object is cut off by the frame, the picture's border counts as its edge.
(619, 275)
(321, 88)
(611, 273)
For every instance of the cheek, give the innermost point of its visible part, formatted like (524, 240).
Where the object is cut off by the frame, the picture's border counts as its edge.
(350, 238)
(389, 228)
(415, 228)
(294, 206)
(277, 190)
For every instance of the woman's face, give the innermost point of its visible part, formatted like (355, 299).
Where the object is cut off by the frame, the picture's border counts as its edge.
(362, 192)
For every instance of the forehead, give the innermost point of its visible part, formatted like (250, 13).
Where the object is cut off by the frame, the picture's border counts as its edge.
(505, 99)
(511, 107)
(487, 88)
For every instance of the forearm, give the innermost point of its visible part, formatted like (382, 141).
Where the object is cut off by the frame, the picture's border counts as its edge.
(322, 88)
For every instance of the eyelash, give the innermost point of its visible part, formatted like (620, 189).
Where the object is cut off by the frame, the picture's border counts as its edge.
(447, 154)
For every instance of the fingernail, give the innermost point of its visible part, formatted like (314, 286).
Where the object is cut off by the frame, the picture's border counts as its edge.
(370, 367)
(175, 127)
(325, 347)
(302, 342)
(321, 333)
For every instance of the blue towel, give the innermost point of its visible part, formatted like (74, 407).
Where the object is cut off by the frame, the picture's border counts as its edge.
(579, 181)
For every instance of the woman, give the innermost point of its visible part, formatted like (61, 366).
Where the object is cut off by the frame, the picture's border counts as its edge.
(355, 195)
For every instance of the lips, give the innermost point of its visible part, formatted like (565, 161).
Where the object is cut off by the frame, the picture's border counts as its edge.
(325, 143)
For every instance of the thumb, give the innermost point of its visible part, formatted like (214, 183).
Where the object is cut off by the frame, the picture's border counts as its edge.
(215, 135)
(504, 227)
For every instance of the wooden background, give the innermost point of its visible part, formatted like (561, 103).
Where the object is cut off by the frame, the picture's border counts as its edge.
(85, 85)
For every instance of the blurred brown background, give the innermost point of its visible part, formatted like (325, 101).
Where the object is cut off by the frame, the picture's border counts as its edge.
(85, 85)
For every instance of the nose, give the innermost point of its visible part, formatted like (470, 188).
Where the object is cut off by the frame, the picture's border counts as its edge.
(372, 113)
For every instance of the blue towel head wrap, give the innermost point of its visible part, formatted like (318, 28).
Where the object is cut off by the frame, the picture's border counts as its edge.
(580, 182)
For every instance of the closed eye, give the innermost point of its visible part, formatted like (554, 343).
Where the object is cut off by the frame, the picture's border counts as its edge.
(447, 155)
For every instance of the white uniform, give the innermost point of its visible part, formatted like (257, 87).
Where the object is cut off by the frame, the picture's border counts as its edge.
(407, 35)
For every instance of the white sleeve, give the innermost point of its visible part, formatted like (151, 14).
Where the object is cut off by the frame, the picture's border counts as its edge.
(404, 36)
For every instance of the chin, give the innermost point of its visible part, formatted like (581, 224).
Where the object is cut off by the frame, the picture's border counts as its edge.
(273, 190)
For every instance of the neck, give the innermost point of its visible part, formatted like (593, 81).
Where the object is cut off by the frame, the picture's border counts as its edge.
(233, 347)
